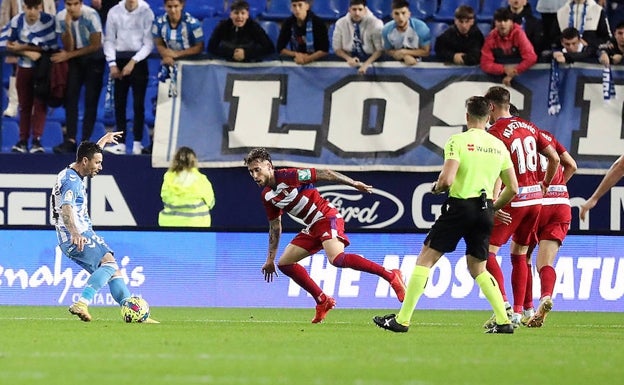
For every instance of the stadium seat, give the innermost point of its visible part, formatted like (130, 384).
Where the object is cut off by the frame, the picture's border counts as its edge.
(488, 7)
(10, 134)
(52, 135)
(277, 10)
(436, 28)
(157, 6)
(208, 25)
(56, 114)
(272, 28)
(330, 33)
(381, 8)
(423, 9)
(202, 9)
(98, 131)
(330, 10)
(446, 12)
(485, 28)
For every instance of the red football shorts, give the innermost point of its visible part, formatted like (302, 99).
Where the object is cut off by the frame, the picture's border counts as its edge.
(524, 221)
(554, 222)
(311, 239)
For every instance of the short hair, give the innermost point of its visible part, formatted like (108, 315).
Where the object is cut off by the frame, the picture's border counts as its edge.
(237, 5)
(164, 1)
(357, 2)
(33, 4)
(396, 4)
(464, 12)
(184, 159)
(570, 33)
(502, 14)
(87, 149)
(619, 25)
(258, 154)
(498, 95)
(478, 107)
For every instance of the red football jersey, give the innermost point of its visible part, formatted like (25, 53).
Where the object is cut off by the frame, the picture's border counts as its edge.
(295, 194)
(557, 188)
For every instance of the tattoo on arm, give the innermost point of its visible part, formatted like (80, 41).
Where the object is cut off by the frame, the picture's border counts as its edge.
(275, 232)
(333, 176)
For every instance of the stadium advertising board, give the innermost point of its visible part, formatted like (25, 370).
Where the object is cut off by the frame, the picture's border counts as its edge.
(223, 270)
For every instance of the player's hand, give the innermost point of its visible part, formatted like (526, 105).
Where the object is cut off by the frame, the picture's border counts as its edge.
(268, 269)
(503, 216)
(363, 186)
(79, 241)
(585, 207)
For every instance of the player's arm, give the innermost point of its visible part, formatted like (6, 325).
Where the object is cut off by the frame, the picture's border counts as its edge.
(275, 232)
(336, 177)
(615, 173)
(508, 177)
(446, 177)
(67, 213)
(569, 165)
(109, 137)
(553, 163)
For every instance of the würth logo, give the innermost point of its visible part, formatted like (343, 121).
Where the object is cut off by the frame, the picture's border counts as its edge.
(471, 147)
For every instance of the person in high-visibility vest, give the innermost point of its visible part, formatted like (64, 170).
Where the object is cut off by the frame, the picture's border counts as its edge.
(186, 193)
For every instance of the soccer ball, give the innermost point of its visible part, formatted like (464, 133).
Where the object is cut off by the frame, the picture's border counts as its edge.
(135, 309)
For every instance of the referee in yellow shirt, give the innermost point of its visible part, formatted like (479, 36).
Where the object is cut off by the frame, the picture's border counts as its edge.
(473, 161)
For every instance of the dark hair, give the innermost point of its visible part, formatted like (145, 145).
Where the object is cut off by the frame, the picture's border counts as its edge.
(498, 95)
(396, 4)
(257, 154)
(570, 33)
(181, 1)
(357, 2)
(33, 4)
(619, 25)
(237, 5)
(87, 150)
(478, 107)
(183, 159)
(502, 14)
(464, 12)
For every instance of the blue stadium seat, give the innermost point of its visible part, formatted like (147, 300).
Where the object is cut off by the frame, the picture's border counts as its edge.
(56, 114)
(330, 33)
(202, 9)
(488, 7)
(157, 6)
(485, 28)
(381, 8)
(276, 10)
(423, 9)
(52, 135)
(10, 134)
(98, 131)
(208, 25)
(446, 12)
(272, 28)
(436, 27)
(330, 10)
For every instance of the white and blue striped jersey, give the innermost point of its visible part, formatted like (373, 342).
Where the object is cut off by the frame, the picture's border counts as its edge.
(417, 35)
(42, 34)
(88, 23)
(188, 33)
(69, 189)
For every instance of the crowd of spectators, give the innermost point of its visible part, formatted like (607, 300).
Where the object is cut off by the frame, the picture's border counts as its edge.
(104, 34)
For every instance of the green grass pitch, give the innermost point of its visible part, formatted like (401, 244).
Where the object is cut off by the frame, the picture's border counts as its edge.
(46, 345)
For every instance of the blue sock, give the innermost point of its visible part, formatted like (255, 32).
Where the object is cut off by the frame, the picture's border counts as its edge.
(119, 290)
(98, 279)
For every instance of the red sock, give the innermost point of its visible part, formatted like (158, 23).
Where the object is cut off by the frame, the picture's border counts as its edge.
(518, 280)
(359, 263)
(300, 275)
(494, 268)
(528, 295)
(548, 276)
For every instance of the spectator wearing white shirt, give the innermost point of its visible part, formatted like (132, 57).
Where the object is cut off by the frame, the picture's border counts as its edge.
(357, 36)
(127, 44)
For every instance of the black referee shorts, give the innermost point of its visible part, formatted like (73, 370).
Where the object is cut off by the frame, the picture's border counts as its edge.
(463, 218)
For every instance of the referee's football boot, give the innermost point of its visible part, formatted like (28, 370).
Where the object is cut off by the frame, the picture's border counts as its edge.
(507, 328)
(389, 322)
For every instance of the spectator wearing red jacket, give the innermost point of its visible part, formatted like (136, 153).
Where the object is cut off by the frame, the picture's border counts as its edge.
(507, 50)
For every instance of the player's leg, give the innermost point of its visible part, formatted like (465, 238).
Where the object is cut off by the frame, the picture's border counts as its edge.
(331, 233)
(299, 248)
(545, 258)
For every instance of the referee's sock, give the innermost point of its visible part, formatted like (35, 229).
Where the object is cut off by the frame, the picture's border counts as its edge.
(415, 288)
(490, 289)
